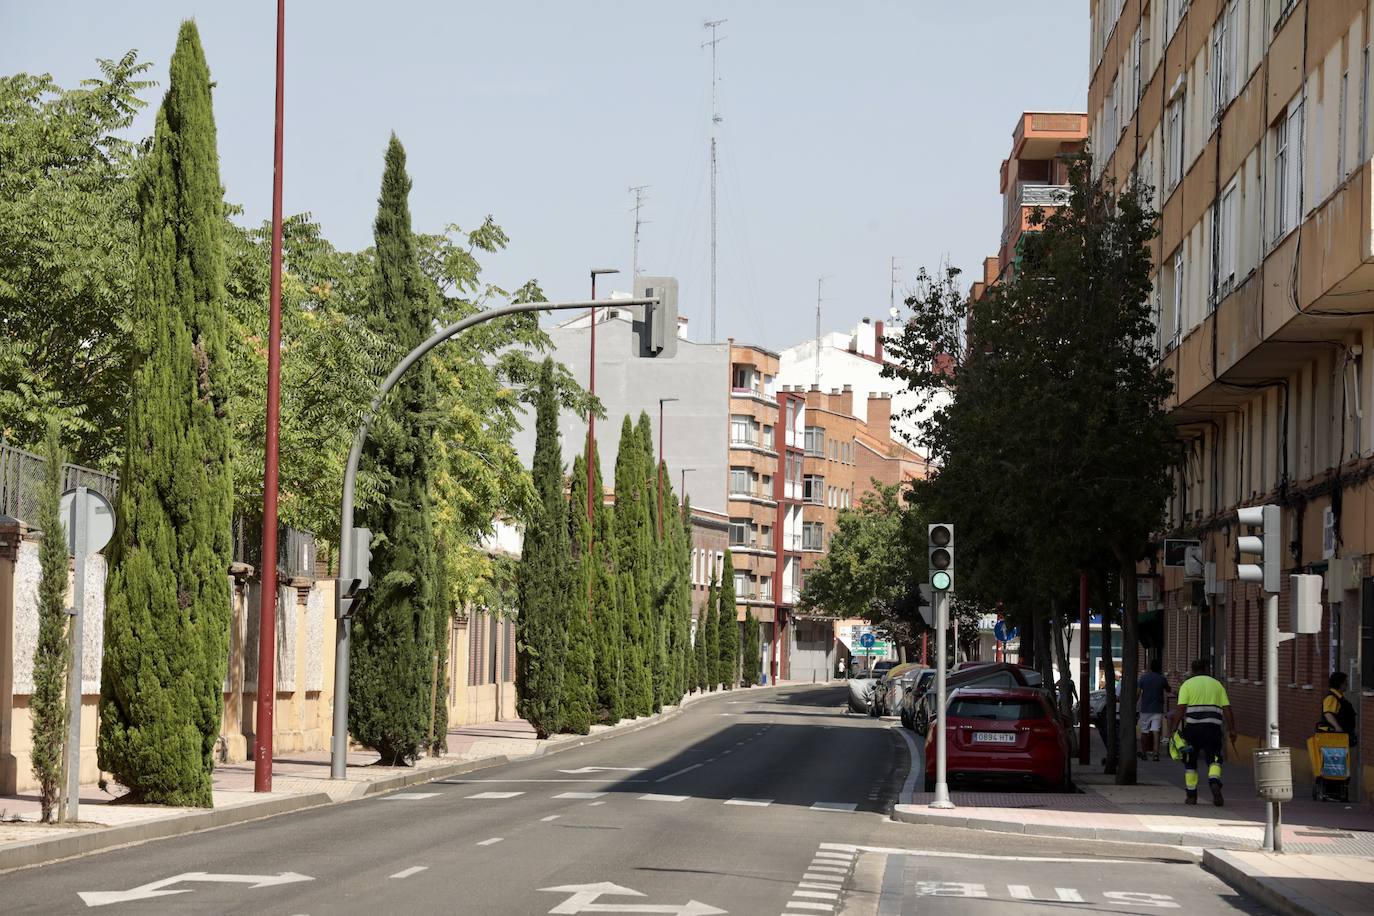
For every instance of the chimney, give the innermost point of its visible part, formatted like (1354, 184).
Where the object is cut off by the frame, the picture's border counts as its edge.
(847, 401)
(880, 416)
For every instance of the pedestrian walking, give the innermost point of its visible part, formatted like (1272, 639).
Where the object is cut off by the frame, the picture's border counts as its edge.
(1203, 711)
(1153, 691)
(1338, 714)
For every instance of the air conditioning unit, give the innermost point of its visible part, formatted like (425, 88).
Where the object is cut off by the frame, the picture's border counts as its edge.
(1342, 574)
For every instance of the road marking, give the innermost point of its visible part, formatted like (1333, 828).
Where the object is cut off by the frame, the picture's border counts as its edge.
(830, 869)
(491, 842)
(941, 854)
(664, 798)
(412, 870)
(584, 897)
(409, 796)
(594, 804)
(819, 887)
(1061, 894)
(580, 795)
(582, 782)
(834, 806)
(681, 771)
(584, 770)
(817, 895)
(730, 751)
(909, 786)
(156, 888)
(812, 876)
(826, 854)
(551, 817)
(751, 802)
(496, 795)
(808, 905)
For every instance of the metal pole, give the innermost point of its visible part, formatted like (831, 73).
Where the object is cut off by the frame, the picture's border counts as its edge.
(660, 468)
(938, 720)
(1085, 750)
(338, 757)
(591, 417)
(1272, 842)
(77, 526)
(267, 574)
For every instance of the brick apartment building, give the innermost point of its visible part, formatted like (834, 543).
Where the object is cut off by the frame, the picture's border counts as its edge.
(1250, 120)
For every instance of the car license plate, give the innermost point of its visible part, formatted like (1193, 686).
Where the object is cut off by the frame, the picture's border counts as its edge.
(994, 738)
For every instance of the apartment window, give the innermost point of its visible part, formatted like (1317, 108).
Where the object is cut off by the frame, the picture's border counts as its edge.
(1137, 46)
(741, 429)
(1110, 119)
(744, 378)
(1173, 144)
(739, 480)
(1364, 106)
(813, 536)
(1177, 297)
(813, 488)
(1341, 117)
(791, 416)
(815, 441)
(1223, 55)
(739, 532)
(1225, 235)
(1287, 145)
(766, 588)
(768, 437)
(766, 537)
(742, 586)
(1173, 16)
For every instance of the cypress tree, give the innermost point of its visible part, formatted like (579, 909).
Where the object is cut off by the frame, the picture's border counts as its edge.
(167, 595)
(392, 656)
(609, 635)
(543, 575)
(48, 704)
(578, 704)
(705, 615)
(633, 544)
(729, 627)
(654, 579)
(712, 613)
(749, 654)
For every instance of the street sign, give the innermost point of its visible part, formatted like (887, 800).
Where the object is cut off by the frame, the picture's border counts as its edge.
(95, 512)
(1176, 550)
(866, 640)
(1004, 633)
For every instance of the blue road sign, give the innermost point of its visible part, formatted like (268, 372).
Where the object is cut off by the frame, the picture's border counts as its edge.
(1004, 633)
(866, 640)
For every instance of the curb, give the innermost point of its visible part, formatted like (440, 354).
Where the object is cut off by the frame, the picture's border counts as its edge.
(919, 815)
(83, 842)
(1278, 897)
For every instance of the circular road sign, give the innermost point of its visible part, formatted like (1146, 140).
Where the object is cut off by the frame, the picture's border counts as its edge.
(866, 640)
(95, 513)
(1004, 633)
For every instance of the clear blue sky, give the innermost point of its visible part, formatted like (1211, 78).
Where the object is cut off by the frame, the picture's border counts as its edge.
(854, 130)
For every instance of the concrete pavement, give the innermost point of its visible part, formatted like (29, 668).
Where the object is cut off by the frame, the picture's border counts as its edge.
(765, 802)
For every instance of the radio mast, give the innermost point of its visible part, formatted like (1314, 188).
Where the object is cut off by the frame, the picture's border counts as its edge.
(713, 24)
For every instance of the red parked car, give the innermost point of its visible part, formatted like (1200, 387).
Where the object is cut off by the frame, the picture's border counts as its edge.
(1002, 734)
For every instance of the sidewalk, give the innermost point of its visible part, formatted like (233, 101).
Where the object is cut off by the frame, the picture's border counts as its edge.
(299, 780)
(1153, 812)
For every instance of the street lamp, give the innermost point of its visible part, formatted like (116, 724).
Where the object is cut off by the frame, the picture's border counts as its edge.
(661, 402)
(684, 480)
(592, 499)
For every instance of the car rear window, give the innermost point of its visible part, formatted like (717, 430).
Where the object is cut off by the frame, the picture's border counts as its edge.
(1002, 709)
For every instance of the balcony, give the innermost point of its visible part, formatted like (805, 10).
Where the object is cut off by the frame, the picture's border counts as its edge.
(756, 444)
(755, 494)
(1044, 195)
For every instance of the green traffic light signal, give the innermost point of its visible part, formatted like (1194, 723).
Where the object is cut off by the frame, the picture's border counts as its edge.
(939, 580)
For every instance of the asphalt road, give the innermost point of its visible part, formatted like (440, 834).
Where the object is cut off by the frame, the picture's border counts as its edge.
(771, 803)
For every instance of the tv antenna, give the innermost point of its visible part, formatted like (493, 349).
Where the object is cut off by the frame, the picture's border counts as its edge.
(640, 198)
(715, 39)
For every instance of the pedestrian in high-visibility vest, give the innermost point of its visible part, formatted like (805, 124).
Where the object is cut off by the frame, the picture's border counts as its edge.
(1203, 709)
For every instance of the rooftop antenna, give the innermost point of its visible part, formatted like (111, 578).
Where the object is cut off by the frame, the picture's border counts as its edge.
(715, 39)
(640, 197)
(819, 281)
(895, 276)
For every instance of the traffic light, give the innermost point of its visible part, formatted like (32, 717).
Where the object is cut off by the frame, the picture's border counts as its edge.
(656, 332)
(940, 556)
(1265, 545)
(352, 589)
(1306, 603)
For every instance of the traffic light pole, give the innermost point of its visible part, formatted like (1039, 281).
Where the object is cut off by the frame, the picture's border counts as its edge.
(338, 756)
(941, 599)
(1273, 820)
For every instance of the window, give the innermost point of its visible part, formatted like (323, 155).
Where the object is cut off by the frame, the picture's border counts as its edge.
(813, 536)
(1173, 144)
(766, 538)
(739, 479)
(1287, 146)
(744, 378)
(1110, 119)
(1364, 104)
(742, 430)
(742, 581)
(1340, 127)
(813, 488)
(1222, 54)
(815, 442)
(766, 588)
(1137, 47)
(739, 532)
(1173, 15)
(1225, 235)
(1177, 327)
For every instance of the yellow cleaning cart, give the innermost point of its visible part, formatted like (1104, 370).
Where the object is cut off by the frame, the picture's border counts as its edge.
(1329, 753)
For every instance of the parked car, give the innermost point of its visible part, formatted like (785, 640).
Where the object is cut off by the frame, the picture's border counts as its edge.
(997, 674)
(1002, 734)
(861, 694)
(882, 700)
(899, 680)
(913, 696)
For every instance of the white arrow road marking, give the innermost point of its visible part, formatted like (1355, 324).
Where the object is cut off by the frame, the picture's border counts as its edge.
(580, 770)
(155, 888)
(584, 896)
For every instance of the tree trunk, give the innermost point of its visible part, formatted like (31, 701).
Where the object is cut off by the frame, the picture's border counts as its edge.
(1042, 649)
(1130, 657)
(1109, 739)
(1061, 655)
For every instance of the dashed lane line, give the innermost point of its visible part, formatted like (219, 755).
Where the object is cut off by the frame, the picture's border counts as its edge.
(410, 796)
(585, 795)
(497, 795)
(751, 802)
(412, 870)
(686, 769)
(652, 796)
(834, 806)
(491, 842)
(551, 817)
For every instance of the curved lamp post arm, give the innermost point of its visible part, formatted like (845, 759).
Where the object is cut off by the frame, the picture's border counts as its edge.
(343, 623)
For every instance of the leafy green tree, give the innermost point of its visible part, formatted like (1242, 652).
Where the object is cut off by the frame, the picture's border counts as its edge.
(544, 582)
(634, 545)
(392, 676)
(749, 651)
(729, 626)
(69, 256)
(579, 669)
(48, 704)
(714, 674)
(706, 618)
(167, 595)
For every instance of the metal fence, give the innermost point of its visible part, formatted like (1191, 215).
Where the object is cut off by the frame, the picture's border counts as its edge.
(296, 549)
(21, 481)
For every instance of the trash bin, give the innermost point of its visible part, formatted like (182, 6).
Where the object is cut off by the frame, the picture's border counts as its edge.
(1274, 774)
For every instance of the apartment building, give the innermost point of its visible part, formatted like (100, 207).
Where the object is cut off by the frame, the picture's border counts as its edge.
(1249, 120)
